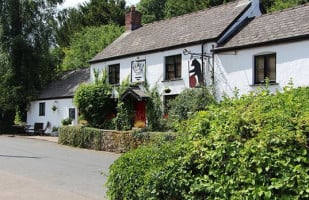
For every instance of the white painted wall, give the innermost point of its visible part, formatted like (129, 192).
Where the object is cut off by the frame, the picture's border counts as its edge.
(155, 68)
(235, 69)
(54, 117)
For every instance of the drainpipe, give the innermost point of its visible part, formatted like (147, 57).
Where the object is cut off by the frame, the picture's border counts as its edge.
(213, 65)
(203, 64)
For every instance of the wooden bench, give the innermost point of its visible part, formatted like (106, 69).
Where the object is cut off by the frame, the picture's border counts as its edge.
(37, 128)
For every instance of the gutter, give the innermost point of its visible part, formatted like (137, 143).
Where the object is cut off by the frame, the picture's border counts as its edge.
(265, 43)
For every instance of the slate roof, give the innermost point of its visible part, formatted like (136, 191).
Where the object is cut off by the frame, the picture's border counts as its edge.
(65, 86)
(286, 25)
(205, 25)
(136, 92)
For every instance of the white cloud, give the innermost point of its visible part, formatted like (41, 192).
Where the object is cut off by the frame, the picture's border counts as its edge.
(75, 3)
(132, 2)
(72, 3)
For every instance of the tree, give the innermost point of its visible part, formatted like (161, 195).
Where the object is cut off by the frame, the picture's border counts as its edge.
(176, 8)
(87, 43)
(275, 5)
(27, 33)
(153, 10)
(94, 13)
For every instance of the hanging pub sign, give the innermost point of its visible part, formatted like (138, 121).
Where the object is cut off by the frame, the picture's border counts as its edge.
(195, 74)
(138, 71)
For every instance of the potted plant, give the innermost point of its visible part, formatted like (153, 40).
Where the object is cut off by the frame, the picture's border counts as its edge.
(167, 90)
(55, 131)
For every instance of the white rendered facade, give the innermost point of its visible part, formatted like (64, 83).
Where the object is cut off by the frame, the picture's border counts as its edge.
(54, 117)
(235, 69)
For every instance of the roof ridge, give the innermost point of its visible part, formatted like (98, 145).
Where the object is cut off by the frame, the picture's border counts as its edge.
(192, 13)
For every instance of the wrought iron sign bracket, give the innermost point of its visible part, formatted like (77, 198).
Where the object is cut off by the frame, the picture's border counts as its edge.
(196, 55)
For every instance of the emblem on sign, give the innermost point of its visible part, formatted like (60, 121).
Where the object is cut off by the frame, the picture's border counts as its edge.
(138, 69)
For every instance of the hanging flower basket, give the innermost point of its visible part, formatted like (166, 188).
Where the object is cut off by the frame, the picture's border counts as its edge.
(54, 108)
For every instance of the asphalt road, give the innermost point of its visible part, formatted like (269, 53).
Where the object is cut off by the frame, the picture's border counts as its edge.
(36, 169)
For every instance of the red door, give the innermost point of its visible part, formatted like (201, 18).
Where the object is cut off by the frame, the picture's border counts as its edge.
(140, 114)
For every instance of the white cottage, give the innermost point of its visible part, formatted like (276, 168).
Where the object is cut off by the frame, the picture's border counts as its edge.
(55, 102)
(273, 46)
(172, 54)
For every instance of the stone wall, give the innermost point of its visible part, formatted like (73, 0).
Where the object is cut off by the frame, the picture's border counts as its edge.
(108, 140)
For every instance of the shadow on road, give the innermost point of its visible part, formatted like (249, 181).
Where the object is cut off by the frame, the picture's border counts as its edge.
(11, 156)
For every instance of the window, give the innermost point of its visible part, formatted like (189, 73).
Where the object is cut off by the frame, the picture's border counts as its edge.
(173, 67)
(265, 68)
(42, 109)
(113, 74)
(72, 113)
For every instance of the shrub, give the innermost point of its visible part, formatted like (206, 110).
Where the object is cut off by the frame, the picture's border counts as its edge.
(129, 175)
(187, 103)
(95, 104)
(98, 139)
(254, 147)
(66, 121)
(154, 111)
(82, 137)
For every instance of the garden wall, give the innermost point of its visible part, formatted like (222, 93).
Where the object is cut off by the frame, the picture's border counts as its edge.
(108, 140)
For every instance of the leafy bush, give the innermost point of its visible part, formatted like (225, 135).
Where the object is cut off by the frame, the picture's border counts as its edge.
(187, 103)
(98, 139)
(95, 104)
(254, 147)
(154, 111)
(82, 137)
(130, 174)
(66, 121)
(125, 111)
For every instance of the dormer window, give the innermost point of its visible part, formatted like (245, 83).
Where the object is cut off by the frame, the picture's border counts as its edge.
(265, 68)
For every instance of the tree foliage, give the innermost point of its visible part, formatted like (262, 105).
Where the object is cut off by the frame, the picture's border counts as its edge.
(157, 10)
(153, 10)
(93, 13)
(274, 5)
(87, 43)
(27, 33)
(95, 103)
(253, 147)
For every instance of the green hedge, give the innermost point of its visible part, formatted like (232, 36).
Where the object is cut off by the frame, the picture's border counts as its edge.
(254, 147)
(109, 140)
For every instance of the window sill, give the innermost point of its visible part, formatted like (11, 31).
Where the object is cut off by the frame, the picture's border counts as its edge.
(176, 79)
(263, 84)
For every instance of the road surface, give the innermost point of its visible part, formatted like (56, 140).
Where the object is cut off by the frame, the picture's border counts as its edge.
(40, 170)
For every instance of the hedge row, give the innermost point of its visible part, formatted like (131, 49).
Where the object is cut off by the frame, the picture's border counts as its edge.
(108, 140)
(252, 147)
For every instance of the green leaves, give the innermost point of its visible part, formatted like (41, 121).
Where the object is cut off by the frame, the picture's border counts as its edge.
(26, 35)
(87, 43)
(189, 102)
(254, 147)
(95, 104)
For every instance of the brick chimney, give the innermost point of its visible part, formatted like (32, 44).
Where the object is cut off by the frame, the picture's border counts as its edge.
(133, 19)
